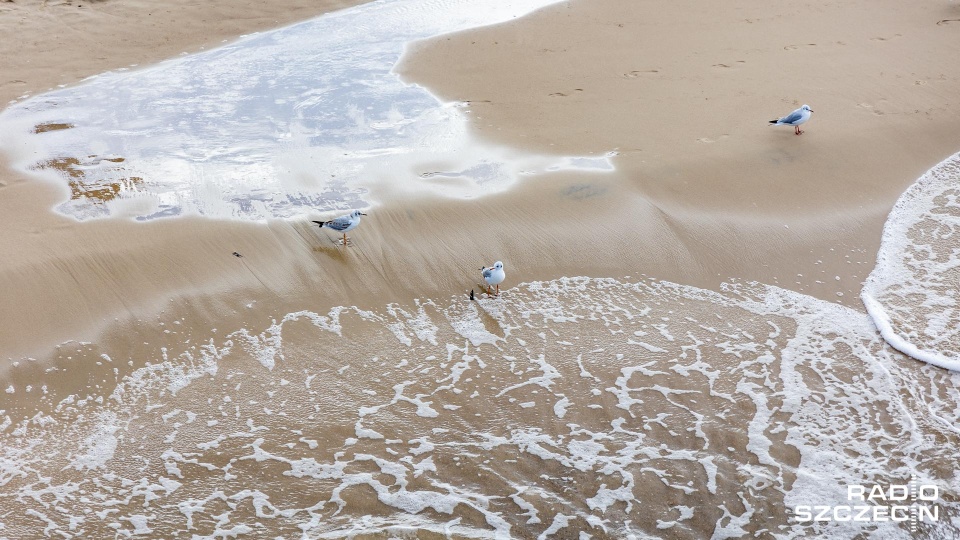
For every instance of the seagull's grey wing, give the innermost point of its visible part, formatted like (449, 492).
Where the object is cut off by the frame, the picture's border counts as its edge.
(792, 118)
(487, 272)
(339, 224)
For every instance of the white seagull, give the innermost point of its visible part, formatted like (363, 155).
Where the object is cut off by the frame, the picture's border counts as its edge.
(343, 224)
(794, 119)
(494, 276)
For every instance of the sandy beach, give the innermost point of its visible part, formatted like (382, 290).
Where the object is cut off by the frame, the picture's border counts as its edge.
(712, 196)
(703, 193)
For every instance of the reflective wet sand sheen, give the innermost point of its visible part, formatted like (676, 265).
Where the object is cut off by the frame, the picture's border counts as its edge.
(702, 329)
(280, 124)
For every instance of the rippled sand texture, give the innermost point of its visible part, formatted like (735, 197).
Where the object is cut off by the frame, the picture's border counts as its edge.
(578, 404)
(912, 292)
(703, 189)
(155, 385)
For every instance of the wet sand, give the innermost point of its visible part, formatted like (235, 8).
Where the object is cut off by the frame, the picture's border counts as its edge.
(67, 280)
(704, 190)
(704, 193)
(684, 95)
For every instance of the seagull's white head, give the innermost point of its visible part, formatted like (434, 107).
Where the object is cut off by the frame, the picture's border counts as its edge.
(498, 265)
(357, 213)
(806, 108)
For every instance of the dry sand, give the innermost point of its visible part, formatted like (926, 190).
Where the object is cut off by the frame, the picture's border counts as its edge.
(704, 190)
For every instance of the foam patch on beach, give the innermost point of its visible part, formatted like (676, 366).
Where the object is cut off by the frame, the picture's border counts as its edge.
(912, 293)
(275, 125)
(560, 409)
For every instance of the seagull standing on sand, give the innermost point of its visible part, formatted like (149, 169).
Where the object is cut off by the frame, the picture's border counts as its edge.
(794, 119)
(494, 276)
(343, 224)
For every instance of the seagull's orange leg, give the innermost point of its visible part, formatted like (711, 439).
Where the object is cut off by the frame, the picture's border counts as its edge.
(498, 289)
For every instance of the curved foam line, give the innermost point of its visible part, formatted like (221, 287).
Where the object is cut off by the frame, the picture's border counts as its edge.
(882, 322)
(912, 204)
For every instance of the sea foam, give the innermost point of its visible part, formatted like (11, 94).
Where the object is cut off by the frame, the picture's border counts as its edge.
(275, 125)
(912, 293)
(612, 408)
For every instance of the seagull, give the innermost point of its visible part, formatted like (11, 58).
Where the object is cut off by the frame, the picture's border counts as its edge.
(343, 224)
(494, 276)
(794, 119)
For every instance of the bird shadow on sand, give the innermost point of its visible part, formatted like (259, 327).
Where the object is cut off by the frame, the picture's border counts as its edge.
(318, 242)
(331, 248)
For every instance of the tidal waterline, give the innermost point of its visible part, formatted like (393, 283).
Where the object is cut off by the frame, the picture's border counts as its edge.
(275, 125)
(566, 406)
(600, 406)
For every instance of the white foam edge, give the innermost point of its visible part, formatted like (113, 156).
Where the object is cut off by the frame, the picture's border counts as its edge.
(891, 243)
(882, 322)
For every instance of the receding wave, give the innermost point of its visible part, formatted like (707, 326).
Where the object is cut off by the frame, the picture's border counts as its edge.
(912, 293)
(275, 125)
(572, 406)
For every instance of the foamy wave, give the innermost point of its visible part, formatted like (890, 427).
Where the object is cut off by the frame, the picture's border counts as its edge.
(912, 292)
(575, 405)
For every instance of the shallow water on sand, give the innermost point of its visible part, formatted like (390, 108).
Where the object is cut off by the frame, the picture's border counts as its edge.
(610, 408)
(571, 408)
(275, 125)
(912, 292)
